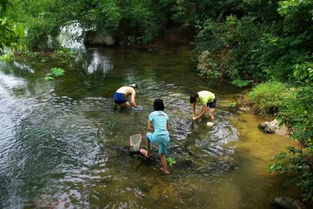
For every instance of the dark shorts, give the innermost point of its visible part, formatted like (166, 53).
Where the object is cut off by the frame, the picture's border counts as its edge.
(119, 98)
(212, 104)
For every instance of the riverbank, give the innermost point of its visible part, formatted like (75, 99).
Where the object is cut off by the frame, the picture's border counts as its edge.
(274, 100)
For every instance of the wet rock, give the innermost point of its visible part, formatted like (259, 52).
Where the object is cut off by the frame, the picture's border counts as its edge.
(181, 164)
(269, 127)
(202, 60)
(124, 151)
(120, 150)
(274, 127)
(287, 203)
(283, 130)
(245, 108)
(101, 38)
(154, 157)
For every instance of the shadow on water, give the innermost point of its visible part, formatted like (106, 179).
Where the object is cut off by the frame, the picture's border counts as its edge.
(62, 144)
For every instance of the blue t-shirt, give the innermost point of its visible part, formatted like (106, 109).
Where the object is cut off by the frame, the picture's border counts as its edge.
(159, 121)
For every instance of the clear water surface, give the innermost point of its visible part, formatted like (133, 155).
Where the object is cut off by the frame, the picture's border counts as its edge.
(62, 144)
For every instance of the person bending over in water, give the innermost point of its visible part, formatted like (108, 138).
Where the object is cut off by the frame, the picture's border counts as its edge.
(207, 100)
(121, 94)
(158, 123)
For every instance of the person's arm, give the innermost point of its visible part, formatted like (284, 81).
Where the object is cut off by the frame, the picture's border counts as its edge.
(194, 109)
(168, 126)
(132, 99)
(149, 126)
(203, 111)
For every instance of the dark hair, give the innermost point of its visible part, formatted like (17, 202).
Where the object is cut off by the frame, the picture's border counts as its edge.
(135, 86)
(193, 97)
(158, 104)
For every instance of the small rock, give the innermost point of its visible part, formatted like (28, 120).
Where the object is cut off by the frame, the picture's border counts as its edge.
(287, 203)
(245, 108)
(299, 204)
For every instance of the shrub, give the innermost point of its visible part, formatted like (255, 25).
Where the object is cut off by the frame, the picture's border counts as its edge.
(55, 72)
(240, 83)
(303, 73)
(232, 104)
(270, 96)
(8, 57)
(298, 113)
(298, 164)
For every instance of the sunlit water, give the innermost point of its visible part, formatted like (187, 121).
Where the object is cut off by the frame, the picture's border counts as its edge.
(62, 144)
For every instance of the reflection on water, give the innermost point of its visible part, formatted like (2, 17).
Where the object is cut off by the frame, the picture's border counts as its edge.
(62, 144)
(23, 66)
(98, 63)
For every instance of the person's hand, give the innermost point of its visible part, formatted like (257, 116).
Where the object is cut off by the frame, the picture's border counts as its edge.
(194, 118)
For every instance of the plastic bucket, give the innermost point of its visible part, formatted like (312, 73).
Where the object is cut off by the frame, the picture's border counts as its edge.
(134, 142)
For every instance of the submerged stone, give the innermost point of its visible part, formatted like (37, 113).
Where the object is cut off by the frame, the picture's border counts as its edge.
(287, 203)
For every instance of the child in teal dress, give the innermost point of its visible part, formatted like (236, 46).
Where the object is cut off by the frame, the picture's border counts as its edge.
(158, 123)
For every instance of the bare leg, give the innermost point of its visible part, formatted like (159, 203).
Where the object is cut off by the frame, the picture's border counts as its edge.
(164, 164)
(148, 147)
(211, 113)
(126, 104)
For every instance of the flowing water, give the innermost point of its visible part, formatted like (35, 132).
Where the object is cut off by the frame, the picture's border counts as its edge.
(63, 145)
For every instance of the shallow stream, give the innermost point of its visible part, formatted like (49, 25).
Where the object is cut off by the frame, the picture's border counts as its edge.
(63, 145)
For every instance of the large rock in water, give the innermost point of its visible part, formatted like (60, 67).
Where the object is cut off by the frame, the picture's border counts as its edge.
(99, 38)
(274, 127)
(203, 61)
(269, 127)
(287, 203)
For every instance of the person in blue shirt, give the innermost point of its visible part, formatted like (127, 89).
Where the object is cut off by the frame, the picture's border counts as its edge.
(159, 126)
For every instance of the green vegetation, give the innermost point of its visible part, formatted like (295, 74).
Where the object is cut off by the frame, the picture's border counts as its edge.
(11, 33)
(130, 22)
(263, 39)
(171, 161)
(298, 114)
(233, 104)
(8, 57)
(55, 72)
(270, 96)
(298, 162)
(293, 107)
(240, 83)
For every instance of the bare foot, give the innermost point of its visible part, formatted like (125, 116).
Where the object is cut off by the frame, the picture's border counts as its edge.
(145, 153)
(165, 171)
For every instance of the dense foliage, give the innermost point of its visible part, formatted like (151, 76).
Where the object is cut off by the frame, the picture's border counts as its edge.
(130, 21)
(11, 33)
(298, 162)
(264, 39)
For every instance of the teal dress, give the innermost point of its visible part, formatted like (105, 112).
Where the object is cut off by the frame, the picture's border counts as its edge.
(160, 134)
